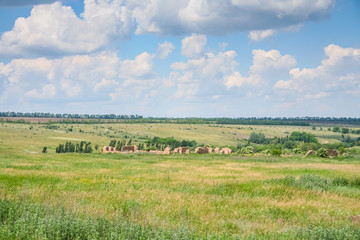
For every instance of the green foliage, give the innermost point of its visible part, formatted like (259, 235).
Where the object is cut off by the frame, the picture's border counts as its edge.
(303, 137)
(257, 138)
(315, 182)
(336, 129)
(276, 152)
(69, 147)
(341, 150)
(54, 127)
(297, 150)
(308, 181)
(112, 143)
(33, 221)
(119, 144)
(322, 153)
(44, 150)
(340, 181)
(332, 233)
(304, 147)
(355, 182)
(247, 150)
(161, 143)
(141, 146)
(345, 130)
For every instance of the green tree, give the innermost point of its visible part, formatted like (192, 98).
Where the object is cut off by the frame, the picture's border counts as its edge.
(322, 153)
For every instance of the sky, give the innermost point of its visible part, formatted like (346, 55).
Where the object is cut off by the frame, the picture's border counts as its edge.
(189, 58)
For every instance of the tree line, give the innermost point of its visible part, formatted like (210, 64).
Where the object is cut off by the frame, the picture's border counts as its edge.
(292, 121)
(155, 143)
(69, 115)
(69, 147)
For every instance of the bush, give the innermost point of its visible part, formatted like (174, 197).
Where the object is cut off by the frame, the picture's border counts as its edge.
(247, 150)
(341, 150)
(276, 152)
(266, 151)
(303, 137)
(322, 153)
(297, 150)
(287, 151)
(257, 138)
(44, 150)
(304, 147)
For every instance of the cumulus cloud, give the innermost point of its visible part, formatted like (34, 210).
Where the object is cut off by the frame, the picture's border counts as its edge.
(12, 3)
(339, 72)
(164, 50)
(142, 66)
(172, 17)
(91, 77)
(193, 46)
(266, 64)
(53, 29)
(203, 76)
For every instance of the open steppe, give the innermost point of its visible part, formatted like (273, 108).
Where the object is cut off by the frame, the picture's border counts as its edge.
(173, 196)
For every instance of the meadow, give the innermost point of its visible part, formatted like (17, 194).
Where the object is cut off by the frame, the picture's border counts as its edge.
(142, 196)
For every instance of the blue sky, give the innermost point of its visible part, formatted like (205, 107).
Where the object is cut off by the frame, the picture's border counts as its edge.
(191, 58)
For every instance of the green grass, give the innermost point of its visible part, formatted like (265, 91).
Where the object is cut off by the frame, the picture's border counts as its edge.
(171, 196)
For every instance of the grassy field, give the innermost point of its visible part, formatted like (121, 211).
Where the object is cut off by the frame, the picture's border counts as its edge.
(245, 196)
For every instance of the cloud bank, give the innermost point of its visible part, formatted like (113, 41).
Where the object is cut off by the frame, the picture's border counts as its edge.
(172, 17)
(55, 30)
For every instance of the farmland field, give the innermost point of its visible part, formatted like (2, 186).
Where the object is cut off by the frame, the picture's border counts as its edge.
(175, 196)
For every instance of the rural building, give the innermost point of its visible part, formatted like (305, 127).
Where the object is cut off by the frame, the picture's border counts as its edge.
(129, 148)
(225, 150)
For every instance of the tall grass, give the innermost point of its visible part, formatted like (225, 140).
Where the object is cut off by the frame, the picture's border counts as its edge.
(21, 220)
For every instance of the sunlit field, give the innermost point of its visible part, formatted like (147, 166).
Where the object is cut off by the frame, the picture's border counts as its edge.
(173, 196)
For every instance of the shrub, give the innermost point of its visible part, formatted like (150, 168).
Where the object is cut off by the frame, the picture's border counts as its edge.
(276, 152)
(266, 151)
(341, 150)
(322, 153)
(303, 137)
(44, 150)
(247, 150)
(304, 147)
(257, 138)
(297, 150)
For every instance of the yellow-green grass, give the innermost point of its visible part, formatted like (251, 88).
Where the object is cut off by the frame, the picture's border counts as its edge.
(219, 135)
(235, 194)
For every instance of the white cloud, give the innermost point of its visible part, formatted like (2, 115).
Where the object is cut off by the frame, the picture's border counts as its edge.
(105, 84)
(142, 66)
(91, 77)
(164, 50)
(172, 17)
(10, 3)
(193, 46)
(203, 76)
(267, 65)
(53, 29)
(260, 35)
(338, 73)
